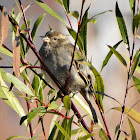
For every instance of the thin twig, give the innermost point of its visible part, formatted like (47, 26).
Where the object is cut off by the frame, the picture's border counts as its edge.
(24, 17)
(128, 78)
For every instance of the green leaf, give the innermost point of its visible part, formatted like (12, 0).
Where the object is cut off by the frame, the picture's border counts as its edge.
(69, 126)
(62, 131)
(109, 55)
(60, 2)
(103, 135)
(136, 61)
(11, 99)
(133, 132)
(67, 103)
(66, 4)
(118, 55)
(51, 136)
(79, 41)
(53, 105)
(55, 118)
(36, 25)
(132, 6)
(49, 10)
(136, 23)
(83, 32)
(86, 137)
(74, 14)
(117, 128)
(122, 26)
(137, 83)
(33, 113)
(5, 51)
(17, 83)
(60, 135)
(13, 137)
(130, 112)
(35, 84)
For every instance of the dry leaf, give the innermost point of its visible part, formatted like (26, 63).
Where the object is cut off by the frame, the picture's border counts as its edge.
(16, 54)
(23, 67)
(4, 25)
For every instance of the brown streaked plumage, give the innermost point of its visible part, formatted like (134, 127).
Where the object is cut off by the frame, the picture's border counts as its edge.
(56, 52)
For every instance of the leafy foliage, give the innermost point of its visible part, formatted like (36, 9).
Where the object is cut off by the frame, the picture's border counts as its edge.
(33, 89)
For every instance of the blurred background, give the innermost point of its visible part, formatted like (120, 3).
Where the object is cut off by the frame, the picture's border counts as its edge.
(104, 32)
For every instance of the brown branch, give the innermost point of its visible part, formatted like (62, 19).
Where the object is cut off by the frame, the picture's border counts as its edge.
(51, 75)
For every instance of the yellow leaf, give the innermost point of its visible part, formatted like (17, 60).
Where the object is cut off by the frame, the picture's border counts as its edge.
(130, 112)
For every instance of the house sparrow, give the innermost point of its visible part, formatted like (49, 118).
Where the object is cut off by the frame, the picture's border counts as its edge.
(56, 52)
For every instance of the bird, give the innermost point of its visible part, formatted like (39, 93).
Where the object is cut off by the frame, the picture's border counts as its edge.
(56, 53)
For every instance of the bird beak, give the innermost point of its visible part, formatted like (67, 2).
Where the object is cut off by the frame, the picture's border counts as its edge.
(45, 39)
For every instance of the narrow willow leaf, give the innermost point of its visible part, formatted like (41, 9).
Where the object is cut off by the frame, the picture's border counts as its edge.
(11, 99)
(83, 32)
(16, 53)
(99, 85)
(62, 131)
(69, 126)
(136, 61)
(5, 51)
(133, 132)
(4, 25)
(49, 10)
(103, 135)
(51, 136)
(117, 128)
(118, 55)
(66, 4)
(60, 2)
(107, 96)
(17, 83)
(132, 6)
(67, 103)
(14, 137)
(109, 55)
(60, 135)
(86, 137)
(74, 14)
(93, 20)
(79, 41)
(35, 84)
(32, 114)
(137, 83)
(53, 105)
(136, 23)
(36, 25)
(130, 112)
(55, 118)
(122, 26)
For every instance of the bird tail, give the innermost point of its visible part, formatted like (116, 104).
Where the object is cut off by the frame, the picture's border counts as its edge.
(92, 109)
(87, 98)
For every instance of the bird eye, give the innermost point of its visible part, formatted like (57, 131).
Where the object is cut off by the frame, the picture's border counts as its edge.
(55, 38)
